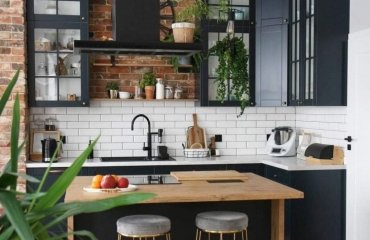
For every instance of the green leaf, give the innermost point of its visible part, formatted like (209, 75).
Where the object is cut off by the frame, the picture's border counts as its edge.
(7, 233)
(8, 91)
(15, 215)
(26, 177)
(14, 137)
(65, 210)
(57, 190)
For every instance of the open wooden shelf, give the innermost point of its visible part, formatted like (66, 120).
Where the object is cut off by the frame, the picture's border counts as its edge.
(139, 65)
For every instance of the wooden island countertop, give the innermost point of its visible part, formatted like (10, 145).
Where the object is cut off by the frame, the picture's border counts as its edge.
(253, 188)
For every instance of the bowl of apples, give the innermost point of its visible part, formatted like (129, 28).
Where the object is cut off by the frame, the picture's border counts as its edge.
(110, 183)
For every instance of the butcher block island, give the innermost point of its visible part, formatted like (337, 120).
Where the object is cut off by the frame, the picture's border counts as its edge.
(261, 199)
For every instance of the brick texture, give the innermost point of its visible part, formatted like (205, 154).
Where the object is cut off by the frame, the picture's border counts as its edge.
(100, 25)
(12, 57)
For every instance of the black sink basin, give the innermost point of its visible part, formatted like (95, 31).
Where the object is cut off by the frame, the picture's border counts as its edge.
(133, 159)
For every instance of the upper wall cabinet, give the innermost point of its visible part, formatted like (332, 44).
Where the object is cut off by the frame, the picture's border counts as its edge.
(272, 52)
(318, 52)
(58, 10)
(56, 76)
(214, 30)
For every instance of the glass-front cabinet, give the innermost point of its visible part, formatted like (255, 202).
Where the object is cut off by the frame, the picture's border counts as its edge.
(302, 52)
(70, 10)
(214, 29)
(57, 76)
(318, 37)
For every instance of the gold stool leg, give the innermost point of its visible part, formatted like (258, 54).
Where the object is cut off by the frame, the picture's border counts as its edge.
(234, 236)
(196, 234)
(221, 236)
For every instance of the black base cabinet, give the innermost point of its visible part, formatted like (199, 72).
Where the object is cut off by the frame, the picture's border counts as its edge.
(321, 214)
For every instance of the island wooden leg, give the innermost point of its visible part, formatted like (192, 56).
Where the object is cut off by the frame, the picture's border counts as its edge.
(70, 227)
(277, 219)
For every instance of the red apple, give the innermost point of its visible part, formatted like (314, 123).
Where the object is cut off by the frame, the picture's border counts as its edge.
(122, 182)
(108, 181)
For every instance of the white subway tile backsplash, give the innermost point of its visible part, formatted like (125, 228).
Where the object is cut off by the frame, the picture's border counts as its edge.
(111, 118)
(245, 135)
(266, 110)
(78, 110)
(99, 110)
(90, 118)
(276, 116)
(256, 117)
(89, 132)
(78, 125)
(65, 118)
(61, 110)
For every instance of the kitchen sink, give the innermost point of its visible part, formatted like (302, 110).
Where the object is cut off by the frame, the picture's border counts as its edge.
(133, 159)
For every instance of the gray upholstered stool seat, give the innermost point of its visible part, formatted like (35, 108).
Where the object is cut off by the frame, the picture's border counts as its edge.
(221, 222)
(143, 225)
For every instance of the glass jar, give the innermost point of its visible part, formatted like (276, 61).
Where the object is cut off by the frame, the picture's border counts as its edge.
(178, 92)
(168, 92)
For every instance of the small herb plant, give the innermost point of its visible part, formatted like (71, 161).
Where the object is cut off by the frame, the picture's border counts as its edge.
(232, 66)
(148, 80)
(112, 86)
(193, 12)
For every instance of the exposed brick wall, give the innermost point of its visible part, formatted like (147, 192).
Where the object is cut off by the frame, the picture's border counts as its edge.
(100, 24)
(12, 57)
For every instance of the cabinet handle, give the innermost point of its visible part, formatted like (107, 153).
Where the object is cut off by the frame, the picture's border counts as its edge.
(285, 20)
(56, 171)
(84, 103)
(82, 18)
(348, 139)
(275, 175)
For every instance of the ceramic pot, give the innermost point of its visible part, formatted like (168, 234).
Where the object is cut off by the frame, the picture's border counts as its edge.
(113, 94)
(149, 92)
(183, 32)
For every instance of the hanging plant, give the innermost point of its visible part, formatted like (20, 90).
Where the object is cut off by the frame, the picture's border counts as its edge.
(232, 70)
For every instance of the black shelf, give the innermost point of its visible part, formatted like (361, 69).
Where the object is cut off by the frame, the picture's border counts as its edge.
(132, 48)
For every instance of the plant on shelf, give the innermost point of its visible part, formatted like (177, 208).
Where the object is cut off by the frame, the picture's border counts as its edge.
(31, 215)
(187, 19)
(112, 89)
(232, 71)
(148, 83)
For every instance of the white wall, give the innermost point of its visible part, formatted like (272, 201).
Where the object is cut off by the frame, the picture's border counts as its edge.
(241, 136)
(359, 15)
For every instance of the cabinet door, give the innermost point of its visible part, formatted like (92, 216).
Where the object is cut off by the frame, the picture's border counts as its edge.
(58, 10)
(317, 54)
(214, 30)
(57, 76)
(272, 52)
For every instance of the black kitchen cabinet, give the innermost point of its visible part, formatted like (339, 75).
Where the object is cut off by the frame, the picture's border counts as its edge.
(272, 52)
(321, 214)
(57, 77)
(214, 30)
(318, 37)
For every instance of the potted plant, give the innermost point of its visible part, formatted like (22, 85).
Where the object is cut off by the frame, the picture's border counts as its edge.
(186, 20)
(30, 215)
(232, 70)
(112, 89)
(148, 83)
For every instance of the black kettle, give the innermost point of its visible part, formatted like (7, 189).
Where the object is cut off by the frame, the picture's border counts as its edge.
(49, 146)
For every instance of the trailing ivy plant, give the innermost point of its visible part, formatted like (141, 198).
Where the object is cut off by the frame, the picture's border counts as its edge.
(232, 70)
(30, 215)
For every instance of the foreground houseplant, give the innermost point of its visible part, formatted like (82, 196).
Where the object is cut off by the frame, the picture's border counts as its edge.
(29, 216)
(232, 68)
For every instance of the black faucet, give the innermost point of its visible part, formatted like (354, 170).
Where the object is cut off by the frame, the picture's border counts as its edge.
(159, 133)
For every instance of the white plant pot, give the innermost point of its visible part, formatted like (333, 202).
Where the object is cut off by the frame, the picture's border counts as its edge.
(183, 32)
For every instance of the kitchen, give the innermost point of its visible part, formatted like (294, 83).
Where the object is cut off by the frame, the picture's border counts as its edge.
(240, 136)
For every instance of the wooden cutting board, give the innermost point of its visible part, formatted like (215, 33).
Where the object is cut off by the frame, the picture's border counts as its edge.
(208, 175)
(195, 134)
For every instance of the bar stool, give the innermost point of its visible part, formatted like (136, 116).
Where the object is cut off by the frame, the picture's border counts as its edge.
(221, 222)
(144, 226)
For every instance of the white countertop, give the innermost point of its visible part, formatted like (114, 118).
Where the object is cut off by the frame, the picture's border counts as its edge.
(285, 163)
